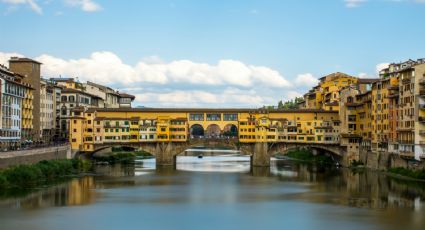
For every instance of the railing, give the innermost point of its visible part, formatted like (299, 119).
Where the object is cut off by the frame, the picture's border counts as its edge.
(36, 145)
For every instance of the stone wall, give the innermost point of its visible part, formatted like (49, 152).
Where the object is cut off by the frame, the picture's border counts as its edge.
(385, 160)
(32, 156)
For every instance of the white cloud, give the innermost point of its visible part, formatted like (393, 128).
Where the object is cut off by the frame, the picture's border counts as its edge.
(4, 57)
(156, 83)
(85, 5)
(31, 3)
(381, 66)
(306, 79)
(365, 75)
(354, 3)
(107, 68)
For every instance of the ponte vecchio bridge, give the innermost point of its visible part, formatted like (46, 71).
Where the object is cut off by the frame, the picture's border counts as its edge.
(165, 133)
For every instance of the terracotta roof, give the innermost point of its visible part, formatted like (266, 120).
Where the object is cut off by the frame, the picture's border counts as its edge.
(336, 75)
(16, 59)
(70, 90)
(367, 80)
(126, 95)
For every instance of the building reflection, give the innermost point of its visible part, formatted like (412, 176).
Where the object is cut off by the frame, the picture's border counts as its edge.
(364, 188)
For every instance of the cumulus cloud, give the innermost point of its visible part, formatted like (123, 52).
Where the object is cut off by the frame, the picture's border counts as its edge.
(381, 66)
(31, 3)
(108, 68)
(354, 3)
(306, 79)
(85, 5)
(227, 83)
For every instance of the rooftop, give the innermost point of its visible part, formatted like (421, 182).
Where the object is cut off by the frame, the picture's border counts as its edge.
(18, 59)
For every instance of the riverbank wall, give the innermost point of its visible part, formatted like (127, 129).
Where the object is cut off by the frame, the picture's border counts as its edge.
(31, 156)
(386, 160)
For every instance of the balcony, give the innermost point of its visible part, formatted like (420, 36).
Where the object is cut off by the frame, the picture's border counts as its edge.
(421, 119)
(422, 132)
(406, 81)
(422, 92)
(407, 154)
(422, 82)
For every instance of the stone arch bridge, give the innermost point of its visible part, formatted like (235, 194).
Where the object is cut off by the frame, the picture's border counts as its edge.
(260, 152)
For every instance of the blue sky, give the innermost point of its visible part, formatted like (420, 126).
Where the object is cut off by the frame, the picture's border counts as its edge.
(241, 53)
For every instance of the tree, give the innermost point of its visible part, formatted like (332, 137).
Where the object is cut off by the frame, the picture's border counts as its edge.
(280, 105)
(291, 104)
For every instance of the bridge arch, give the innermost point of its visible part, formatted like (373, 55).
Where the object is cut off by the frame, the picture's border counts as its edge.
(337, 153)
(213, 131)
(230, 130)
(197, 130)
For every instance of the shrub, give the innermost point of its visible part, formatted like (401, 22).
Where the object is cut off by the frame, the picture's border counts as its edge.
(23, 175)
(3, 181)
(417, 174)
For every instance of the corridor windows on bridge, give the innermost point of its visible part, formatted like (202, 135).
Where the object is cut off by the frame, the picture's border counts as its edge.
(230, 117)
(213, 117)
(196, 117)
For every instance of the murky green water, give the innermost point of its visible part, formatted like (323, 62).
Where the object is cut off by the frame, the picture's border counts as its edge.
(220, 193)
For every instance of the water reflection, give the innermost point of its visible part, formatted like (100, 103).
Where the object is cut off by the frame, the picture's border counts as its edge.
(229, 163)
(323, 195)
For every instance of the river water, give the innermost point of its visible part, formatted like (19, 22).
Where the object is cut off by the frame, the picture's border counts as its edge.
(219, 192)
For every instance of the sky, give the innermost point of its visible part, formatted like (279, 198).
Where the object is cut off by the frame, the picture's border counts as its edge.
(211, 53)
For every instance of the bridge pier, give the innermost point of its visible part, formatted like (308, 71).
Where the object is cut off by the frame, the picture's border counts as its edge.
(260, 156)
(165, 153)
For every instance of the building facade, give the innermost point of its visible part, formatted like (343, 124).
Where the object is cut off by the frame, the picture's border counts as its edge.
(13, 94)
(30, 69)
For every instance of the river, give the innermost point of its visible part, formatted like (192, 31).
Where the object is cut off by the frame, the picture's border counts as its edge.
(219, 192)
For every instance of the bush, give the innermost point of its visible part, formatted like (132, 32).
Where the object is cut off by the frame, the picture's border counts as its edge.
(3, 181)
(355, 163)
(23, 175)
(417, 174)
(121, 157)
(43, 171)
(306, 155)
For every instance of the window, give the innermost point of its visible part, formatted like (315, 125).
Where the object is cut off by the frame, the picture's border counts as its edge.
(230, 117)
(213, 117)
(196, 117)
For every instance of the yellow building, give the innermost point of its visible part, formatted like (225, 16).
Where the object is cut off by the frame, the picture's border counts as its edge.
(27, 114)
(326, 94)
